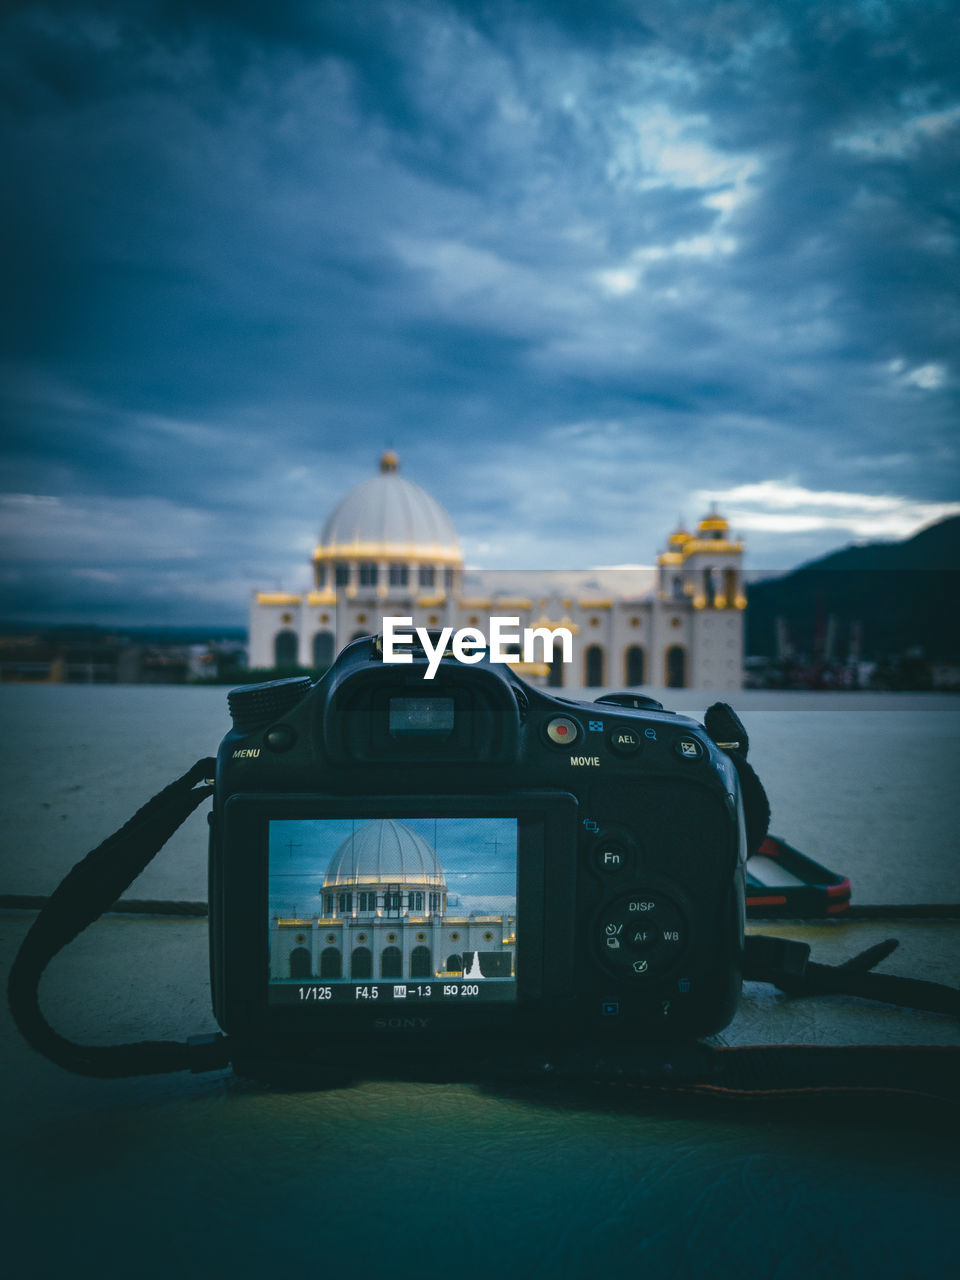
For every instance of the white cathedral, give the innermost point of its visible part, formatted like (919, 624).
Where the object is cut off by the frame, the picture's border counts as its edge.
(382, 913)
(389, 548)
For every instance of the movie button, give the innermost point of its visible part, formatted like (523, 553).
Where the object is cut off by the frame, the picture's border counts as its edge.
(688, 749)
(625, 742)
(563, 731)
(609, 855)
(280, 738)
(610, 1009)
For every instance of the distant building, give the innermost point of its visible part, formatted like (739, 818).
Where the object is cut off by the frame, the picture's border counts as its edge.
(382, 913)
(388, 547)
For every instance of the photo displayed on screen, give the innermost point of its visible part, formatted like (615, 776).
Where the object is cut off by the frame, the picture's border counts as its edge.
(392, 909)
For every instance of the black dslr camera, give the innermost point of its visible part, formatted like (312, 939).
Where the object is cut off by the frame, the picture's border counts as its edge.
(466, 864)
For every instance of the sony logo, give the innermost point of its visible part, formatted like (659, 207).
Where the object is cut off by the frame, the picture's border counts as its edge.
(400, 1024)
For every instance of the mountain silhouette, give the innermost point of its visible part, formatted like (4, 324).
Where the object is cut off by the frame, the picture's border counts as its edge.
(901, 596)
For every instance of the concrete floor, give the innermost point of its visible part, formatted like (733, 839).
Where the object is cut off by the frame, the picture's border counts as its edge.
(198, 1175)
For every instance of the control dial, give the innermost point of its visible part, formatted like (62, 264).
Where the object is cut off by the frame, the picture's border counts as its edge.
(640, 934)
(257, 705)
(638, 701)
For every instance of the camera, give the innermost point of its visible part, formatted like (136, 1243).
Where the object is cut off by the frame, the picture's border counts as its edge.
(468, 866)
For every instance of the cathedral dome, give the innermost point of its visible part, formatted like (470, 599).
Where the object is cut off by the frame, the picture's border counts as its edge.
(389, 515)
(385, 851)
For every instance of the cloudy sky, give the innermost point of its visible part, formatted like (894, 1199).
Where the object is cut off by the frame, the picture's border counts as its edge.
(585, 265)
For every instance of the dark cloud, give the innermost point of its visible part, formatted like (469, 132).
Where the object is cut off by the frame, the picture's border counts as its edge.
(606, 258)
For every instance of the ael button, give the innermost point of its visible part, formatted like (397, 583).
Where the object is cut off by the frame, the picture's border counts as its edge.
(562, 731)
(625, 742)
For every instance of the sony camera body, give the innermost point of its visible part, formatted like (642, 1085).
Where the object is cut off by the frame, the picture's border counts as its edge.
(460, 865)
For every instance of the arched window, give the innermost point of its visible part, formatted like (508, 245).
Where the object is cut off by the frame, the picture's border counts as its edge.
(399, 575)
(455, 964)
(593, 665)
(427, 575)
(676, 663)
(391, 963)
(331, 963)
(300, 963)
(323, 648)
(368, 901)
(420, 963)
(368, 575)
(710, 586)
(415, 901)
(730, 585)
(285, 646)
(361, 963)
(391, 900)
(633, 665)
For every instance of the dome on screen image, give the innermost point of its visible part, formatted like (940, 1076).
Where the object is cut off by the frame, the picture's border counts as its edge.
(385, 851)
(389, 515)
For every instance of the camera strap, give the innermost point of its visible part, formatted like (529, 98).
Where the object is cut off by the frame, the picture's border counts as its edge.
(94, 885)
(87, 891)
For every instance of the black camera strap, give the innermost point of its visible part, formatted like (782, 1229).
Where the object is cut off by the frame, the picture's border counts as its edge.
(93, 886)
(88, 890)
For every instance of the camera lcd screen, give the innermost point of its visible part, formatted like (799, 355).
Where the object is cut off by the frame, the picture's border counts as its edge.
(402, 911)
(421, 717)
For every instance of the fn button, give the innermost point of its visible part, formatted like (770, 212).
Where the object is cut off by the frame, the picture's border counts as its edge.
(610, 855)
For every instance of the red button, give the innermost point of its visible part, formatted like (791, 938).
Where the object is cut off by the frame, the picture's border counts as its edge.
(562, 731)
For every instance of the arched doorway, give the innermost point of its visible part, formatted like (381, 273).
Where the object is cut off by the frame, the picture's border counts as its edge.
(361, 963)
(300, 966)
(285, 647)
(593, 666)
(555, 678)
(420, 962)
(633, 665)
(323, 649)
(331, 963)
(391, 963)
(455, 964)
(676, 664)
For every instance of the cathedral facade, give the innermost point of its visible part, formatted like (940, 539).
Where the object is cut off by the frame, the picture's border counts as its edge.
(389, 548)
(383, 913)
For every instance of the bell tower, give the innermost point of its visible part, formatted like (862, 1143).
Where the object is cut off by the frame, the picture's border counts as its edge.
(701, 602)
